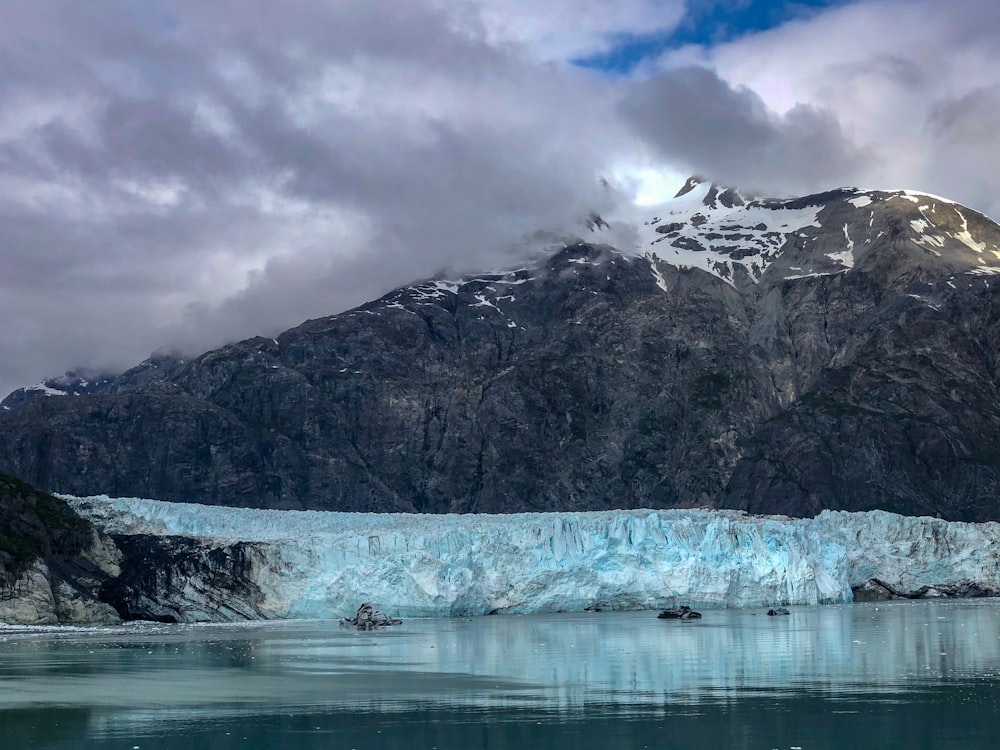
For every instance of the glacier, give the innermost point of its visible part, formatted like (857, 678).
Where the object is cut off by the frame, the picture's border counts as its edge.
(314, 564)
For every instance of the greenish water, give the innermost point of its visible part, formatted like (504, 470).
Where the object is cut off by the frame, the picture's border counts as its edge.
(898, 675)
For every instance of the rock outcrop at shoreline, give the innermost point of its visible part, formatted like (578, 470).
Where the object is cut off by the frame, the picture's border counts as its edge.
(369, 618)
(52, 562)
(177, 579)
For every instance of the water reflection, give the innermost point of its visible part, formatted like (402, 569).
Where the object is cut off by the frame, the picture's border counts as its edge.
(732, 672)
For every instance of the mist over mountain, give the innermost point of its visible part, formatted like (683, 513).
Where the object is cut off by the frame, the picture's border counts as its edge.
(837, 350)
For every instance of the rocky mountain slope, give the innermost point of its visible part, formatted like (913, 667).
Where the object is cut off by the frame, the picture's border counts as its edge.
(833, 351)
(52, 561)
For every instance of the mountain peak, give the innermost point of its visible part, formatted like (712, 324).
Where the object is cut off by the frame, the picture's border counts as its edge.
(738, 239)
(714, 195)
(690, 184)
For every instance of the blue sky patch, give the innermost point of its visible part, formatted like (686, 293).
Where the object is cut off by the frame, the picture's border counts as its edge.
(706, 22)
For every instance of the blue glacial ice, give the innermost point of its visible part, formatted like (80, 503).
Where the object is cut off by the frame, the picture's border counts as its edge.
(311, 564)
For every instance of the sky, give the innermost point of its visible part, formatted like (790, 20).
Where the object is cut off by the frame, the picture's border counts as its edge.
(176, 174)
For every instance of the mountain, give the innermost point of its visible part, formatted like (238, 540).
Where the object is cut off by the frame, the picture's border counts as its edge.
(835, 351)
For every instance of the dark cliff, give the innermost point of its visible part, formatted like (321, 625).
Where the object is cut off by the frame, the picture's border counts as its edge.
(52, 561)
(35, 525)
(840, 352)
(57, 568)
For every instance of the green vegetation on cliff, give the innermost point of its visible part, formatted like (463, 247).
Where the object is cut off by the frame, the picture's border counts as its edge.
(34, 525)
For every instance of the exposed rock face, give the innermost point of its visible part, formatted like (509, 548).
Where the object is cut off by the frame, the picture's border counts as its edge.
(56, 568)
(683, 612)
(174, 579)
(368, 618)
(52, 562)
(835, 351)
(876, 590)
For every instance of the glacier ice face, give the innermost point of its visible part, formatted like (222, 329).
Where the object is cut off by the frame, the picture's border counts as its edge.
(313, 564)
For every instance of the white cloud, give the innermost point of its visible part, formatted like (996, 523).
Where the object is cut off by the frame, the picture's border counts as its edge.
(186, 174)
(563, 29)
(699, 121)
(886, 69)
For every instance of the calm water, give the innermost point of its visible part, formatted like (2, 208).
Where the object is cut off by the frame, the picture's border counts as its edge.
(899, 675)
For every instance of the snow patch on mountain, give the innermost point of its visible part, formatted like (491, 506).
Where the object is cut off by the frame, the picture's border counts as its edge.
(718, 231)
(916, 196)
(46, 390)
(846, 256)
(657, 275)
(965, 237)
(483, 290)
(322, 564)
(728, 235)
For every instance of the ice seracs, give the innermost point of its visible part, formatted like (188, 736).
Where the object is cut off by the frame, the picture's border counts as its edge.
(321, 564)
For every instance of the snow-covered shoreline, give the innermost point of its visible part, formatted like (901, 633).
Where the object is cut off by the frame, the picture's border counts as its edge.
(311, 564)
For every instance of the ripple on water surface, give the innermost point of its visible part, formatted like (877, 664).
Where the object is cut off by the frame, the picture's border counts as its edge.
(908, 674)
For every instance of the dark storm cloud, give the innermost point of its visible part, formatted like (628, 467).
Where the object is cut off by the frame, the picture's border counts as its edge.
(972, 119)
(696, 119)
(185, 173)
